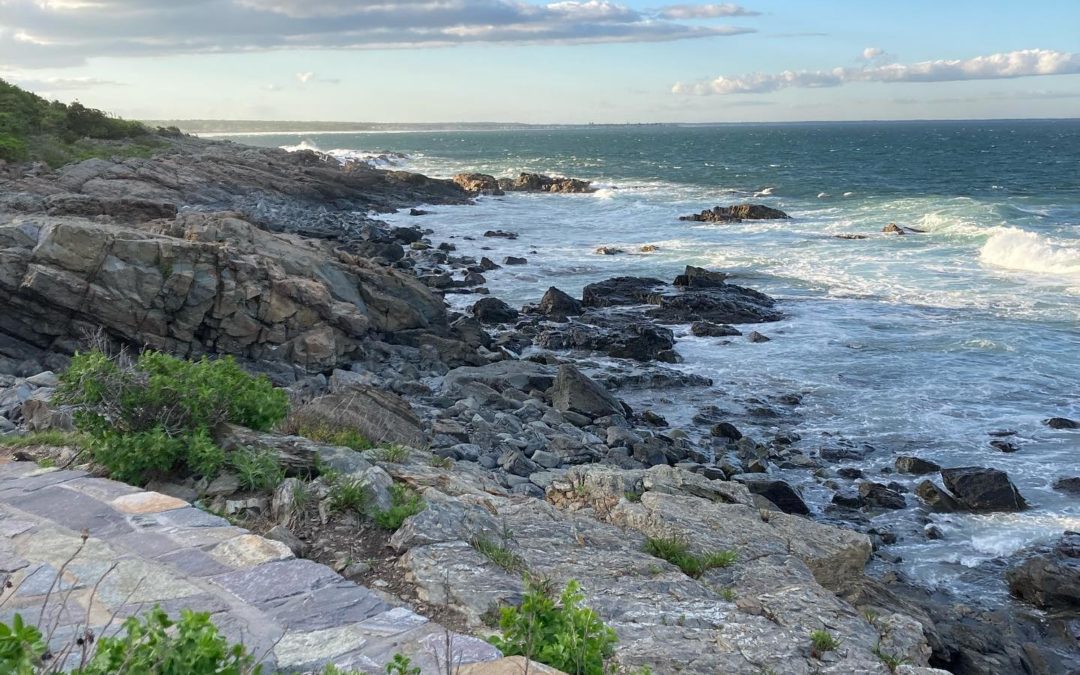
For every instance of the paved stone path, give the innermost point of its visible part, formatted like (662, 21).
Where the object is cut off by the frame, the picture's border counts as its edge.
(145, 549)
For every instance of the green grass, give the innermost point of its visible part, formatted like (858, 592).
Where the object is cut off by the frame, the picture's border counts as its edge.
(52, 438)
(330, 435)
(441, 462)
(257, 471)
(498, 554)
(891, 661)
(677, 552)
(634, 497)
(822, 641)
(348, 496)
(405, 503)
(394, 454)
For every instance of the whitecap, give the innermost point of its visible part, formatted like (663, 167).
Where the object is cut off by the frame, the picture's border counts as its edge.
(1013, 248)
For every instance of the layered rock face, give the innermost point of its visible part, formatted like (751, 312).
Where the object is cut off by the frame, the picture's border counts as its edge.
(202, 283)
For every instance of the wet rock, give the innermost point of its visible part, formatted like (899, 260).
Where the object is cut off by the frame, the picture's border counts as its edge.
(537, 182)
(755, 336)
(1070, 486)
(776, 491)
(876, 495)
(915, 465)
(893, 228)
(609, 250)
(981, 489)
(514, 260)
(620, 335)
(557, 306)
(699, 277)
(493, 311)
(847, 499)
(487, 264)
(572, 390)
(1004, 446)
(737, 213)
(1049, 577)
(1061, 423)
(501, 234)
(478, 183)
(936, 498)
(418, 212)
(726, 430)
(621, 291)
(709, 329)
(653, 419)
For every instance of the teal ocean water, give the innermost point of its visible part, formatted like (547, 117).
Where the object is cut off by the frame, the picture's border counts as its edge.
(917, 344)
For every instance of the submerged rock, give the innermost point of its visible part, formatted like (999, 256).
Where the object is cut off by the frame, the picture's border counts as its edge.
(737, 213)
(1061, 423)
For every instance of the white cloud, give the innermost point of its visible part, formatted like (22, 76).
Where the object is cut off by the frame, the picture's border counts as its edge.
(52, 84)
(871, 53)
(36, 33)
(711, 11)
(1022, 63)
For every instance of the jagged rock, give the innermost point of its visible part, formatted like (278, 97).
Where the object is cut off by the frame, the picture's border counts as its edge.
(1049, 576)
(609, 250)
(699, 277)
(536, 182)
(880, 496)
(572, 390)
(915, 465)
(893, 228)
(709, 329)
(379, 416)
(980, 489)
(620, 291)
(501, 234)
(623, 336)
(1070, 486)
(755, 336)
(726, 430)
(936, 498)
(1061, 423)
(737, 213)
(725, 303)
(557, 306)
(776, 491)
(514, 260)
(493, 310)
(478, 183)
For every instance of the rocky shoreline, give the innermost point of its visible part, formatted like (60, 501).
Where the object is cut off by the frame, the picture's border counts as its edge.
(216, 248)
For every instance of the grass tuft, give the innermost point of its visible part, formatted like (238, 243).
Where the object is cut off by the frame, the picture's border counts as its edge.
(677, 552)
(498, 554)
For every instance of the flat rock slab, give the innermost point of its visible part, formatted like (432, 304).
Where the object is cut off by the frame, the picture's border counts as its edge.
(101, 549)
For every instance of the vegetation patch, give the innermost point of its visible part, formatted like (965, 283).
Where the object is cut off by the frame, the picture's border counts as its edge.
(558, 631)
(822, 641)
(498, 554)
(257, 470)
(153, 416)
(327, 433)
(405, 502)
(50, 439)
(677, 552)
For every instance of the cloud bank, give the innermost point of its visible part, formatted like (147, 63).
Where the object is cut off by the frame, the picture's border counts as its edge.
(41, 33)
(1022, 63)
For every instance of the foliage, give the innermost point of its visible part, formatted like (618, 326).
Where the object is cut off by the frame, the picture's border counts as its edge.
(440, 462)
(891, 661)
(32, 128)
(632, 496)
(561, 633)
(498, 554)
(347, 495)
(677, 552)
(401, 665)
(154, 415)
(394, 454)
(329, 434)
(51, 438)
(21, 647)
(822, 641)
(257, 470)
(405, 502)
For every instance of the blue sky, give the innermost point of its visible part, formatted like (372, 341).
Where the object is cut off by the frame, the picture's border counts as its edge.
(548, 62)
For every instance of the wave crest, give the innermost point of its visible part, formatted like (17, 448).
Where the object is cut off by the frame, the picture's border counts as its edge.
(1018, 249)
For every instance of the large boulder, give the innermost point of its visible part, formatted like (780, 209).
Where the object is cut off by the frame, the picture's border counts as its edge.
(574, 391)
(557, 305)
(478, 183)
(377, 415)
(698, 301)
(736, 213)
(493, 310)
(980, 489)
(778, 492)
(1049, 576)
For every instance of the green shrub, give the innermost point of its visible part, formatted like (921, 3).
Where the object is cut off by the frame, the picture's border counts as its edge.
(21, 647)
(405, 502)
(348, 495)
(256, 470)
(822, 641)
(394, 454)
(677, 552)
(154, 416)
(51, 439)
(401, 665)
(561, 633)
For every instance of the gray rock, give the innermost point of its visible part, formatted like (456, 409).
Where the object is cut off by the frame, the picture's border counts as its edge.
(1049, 576)
(575, 392)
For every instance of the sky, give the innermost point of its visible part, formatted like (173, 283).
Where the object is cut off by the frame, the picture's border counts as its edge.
(562, 61)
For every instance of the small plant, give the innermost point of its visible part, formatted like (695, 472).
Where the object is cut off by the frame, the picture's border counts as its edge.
(498, 554)
(891, 661)
(328, 434)
(394, 454)
(822, 641)
(405, 502)
(558, 632)
(349, 495)
(49, 439)
(21, 647)
(256, 470)
(303, 496)
(634, 497)
(677, 552)
(728, 594)
(401, 665)
(441, 462)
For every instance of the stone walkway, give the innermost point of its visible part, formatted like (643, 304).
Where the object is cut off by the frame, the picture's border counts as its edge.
(144, 549)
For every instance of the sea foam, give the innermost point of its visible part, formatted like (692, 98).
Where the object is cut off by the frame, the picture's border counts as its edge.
(1017, 249)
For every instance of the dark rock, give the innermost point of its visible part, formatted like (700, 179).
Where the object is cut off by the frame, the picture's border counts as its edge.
(1049, 577)
(654, 419)
(536, 182)
(726, 430)
(981, 489)
(936, 498)
(778, 492)
(487, 264)
(621, 335)
(915, 465)
(933, 532)
(557, 305)
(1070, 486)
(850, 472)
(609, 250)
(726, 304)
(514, 462)
(699, 277)
(1004, 446)
(574, 391)
(893, 228)
(850, 236)
(755, 336)
(418, 212)
(879, 496)
(737, 213)
(848, 500)
(501, 234)
(709, 329)
(620, 291)
(493, 310)
(513, 260)
(1061, 423)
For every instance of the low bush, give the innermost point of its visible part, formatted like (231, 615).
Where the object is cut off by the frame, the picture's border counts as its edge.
(677, 552)
(154, 415)
(558, 632)
(405, 502)
(257, 470)
(327, 433)
(50, 439)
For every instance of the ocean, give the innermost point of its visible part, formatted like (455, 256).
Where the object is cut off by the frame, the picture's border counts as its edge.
(918, 344)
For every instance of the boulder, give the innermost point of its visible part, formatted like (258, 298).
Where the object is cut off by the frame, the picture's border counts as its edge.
(737, 213)
(709, 329)
(876, 495)
(1061, 423)
(915, 465)
(936, 498)
(478, 183)
(514, 260)
(981, 489)
(1049, 576)
(379, 416)
(755, 336)
(572, 390)
(893, 228)
(1070, 485)
(557, 305)
(699, 277)
(621, 335)
(778, 492)
(537, 182)
(620, 291)
(726, 430)
(501, 234)
(493, 310)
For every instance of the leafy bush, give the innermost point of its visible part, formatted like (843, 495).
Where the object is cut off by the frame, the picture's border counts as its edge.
(21, 647)
(677, 552)
(401, 665)
(154, 416)
(560, 633)
(257, 470)
(822, 641)
(405, 503)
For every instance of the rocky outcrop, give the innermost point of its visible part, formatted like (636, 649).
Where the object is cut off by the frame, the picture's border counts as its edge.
(538, 182)
(478, 183)
(979, 489)
(736, 214)
(713, 301)
(204, 283)
(1049, 576)
(379, 416)
(1061, 423)
(493, 310)
(893, 228)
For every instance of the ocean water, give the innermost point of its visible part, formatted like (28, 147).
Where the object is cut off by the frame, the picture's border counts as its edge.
(917, 344)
